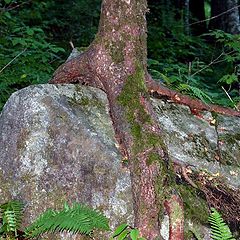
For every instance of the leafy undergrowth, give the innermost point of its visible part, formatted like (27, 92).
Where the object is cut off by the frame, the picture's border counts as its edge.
(75, 219)
(26, 57)
(201, 70)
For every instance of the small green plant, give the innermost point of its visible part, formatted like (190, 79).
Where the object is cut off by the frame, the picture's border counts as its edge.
(75, 219)
(219, 229)
(124, 231)
(10, 218)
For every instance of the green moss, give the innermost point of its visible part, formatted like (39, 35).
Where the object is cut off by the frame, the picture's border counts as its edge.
(76, 101)
(133, 92)
(116, 50)
(136, 115)
(193, 231)
(165, 182)
(195, 206)
(177, 211)
(188, 235)
(230, 138)
(129, 98)
(154, 140)
(231, 142)
(136, 130)
(152, 157)
(134, 86)
(84, 101)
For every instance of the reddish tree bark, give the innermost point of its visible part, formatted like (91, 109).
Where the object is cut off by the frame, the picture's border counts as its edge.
(174, 207)
(116, 62)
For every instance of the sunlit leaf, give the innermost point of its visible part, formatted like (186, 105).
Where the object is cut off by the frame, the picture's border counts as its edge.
(229, 78)
(30, 31)
(123, 235)
(24, 75)
(120, 229)
(134, 233)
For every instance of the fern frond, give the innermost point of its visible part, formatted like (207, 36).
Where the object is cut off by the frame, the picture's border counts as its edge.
(75, 219)
(219, 229)
(197, 92)
(11, 215)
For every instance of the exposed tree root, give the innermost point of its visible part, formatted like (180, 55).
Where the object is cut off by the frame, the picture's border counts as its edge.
(220, 196)
(184, 171)
(80, 70)
(195, 105)
(174, 207)
(89, 69)
(116, 62)
(217, 193)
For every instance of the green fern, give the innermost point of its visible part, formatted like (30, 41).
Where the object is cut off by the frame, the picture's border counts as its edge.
(219, 229)
(75, 219)
(11, 217)
(195, 91)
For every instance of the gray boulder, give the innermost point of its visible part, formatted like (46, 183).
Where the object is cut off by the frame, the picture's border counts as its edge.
(208, 143)
(57, 144)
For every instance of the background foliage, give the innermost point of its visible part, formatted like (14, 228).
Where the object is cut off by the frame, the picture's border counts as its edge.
(35, 35)
(26, 54)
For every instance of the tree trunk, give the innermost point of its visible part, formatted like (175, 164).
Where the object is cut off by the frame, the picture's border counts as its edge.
(186, 17)
(225, 16)
(197, 15)
(116, 62)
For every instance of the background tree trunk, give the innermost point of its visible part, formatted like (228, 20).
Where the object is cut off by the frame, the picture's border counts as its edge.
(228, 21)
(186, 17)
(197, 13)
